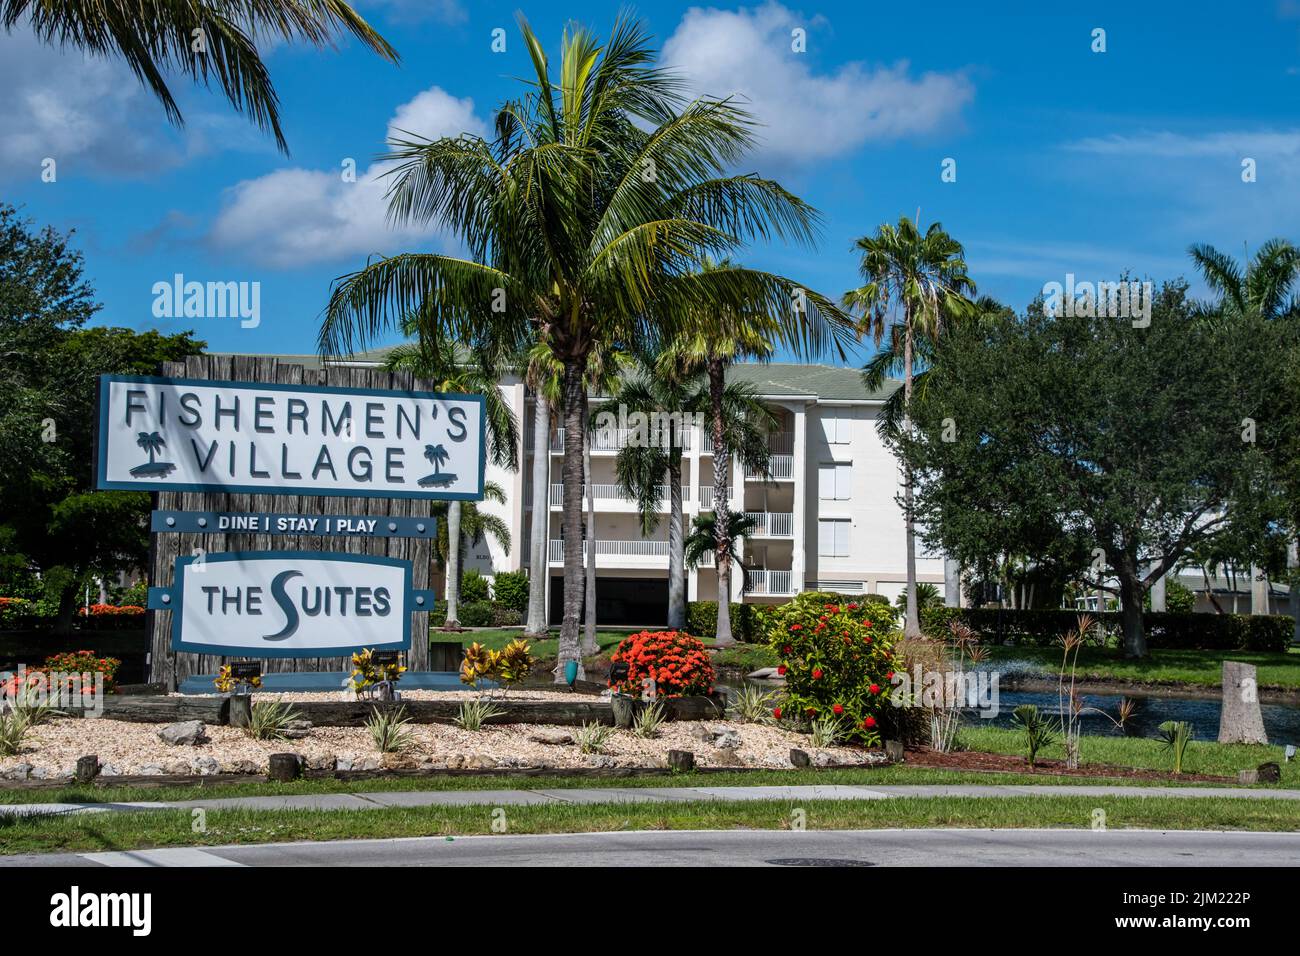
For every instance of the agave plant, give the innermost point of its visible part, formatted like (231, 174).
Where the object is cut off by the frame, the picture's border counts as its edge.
(475, 713)
(13, 731)
(826, 732)
(391, 730)
(592, 738)
(753, 705)
(269, 720)
(648, 720)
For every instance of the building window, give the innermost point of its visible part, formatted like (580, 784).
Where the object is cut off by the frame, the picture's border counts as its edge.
(833, 480)
(833, 537)
(836, 429)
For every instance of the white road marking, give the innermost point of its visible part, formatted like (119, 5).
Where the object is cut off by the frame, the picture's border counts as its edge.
(171, 856)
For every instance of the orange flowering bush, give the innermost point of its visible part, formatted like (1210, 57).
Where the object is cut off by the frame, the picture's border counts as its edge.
(113, 610)
(837, 660)
(677, 663)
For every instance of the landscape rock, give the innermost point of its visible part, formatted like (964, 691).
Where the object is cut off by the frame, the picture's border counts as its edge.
(151, 770)
(110, 770)
(397, 762)
(514, 763)
(206, 766)
(366, 763)
(243, 766)
(17, 772)
(554, 738)
(822, 758)
(727, 740)
(297, 729)
(703, 734)
(682, 760)
(322, 762)
(799, 758)
(777, 762)
(456, 762)
(185, 733)
(177, 767)
(480, 762)
(727, 757)
(601, 761)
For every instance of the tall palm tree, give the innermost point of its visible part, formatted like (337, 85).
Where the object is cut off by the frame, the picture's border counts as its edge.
(473, 526)
(542, 376)
(1265, 289)
(205, 40)
(914, 282)
(602, 375)
(585, 217)
(723, 334)
(665, 384)
(473, 371)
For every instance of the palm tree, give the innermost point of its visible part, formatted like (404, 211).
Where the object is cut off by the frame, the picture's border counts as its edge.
(586, 218)
(923, 277)
(543, 380)
(663, 384)
(475, 371)
(473, 526)
(1266, 291)
(706, 536)
(602, 375)
(205, 40)
(151, 442)
(723, 334)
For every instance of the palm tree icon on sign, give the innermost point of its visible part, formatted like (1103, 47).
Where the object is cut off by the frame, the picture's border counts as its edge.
(438, 455)
(153, 443)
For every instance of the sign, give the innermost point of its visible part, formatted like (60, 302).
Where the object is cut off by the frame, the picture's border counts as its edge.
(267, 522)
(245, 670)
(180, 434)
(290, 604)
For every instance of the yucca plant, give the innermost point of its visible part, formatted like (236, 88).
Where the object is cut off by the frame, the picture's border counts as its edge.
(1176, 735)
(826, 732)
(35, 706)
(13, 731)
(592, 738)
(391, 730)
(648, 720)
(270, 719)
(753, 705)
(475, 713)
(1038, 730)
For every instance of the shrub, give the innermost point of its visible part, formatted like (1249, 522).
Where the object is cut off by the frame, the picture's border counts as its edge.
(837, 660)
(648, 720)
(13, 731)
(506, 616)
(677, 663)
(391, 731)
(475, 713)
(511, 590)
(476, 614)
(508, 666)
(1038, 730)
(366, 672)
(1179, 598)
(270, 719)
(748, 621)
(82, 662)
(474, 587)
(1175, 735)
(592, 738)
(753, 705)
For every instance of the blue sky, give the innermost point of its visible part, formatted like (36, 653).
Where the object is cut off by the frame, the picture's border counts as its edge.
(1067, 160)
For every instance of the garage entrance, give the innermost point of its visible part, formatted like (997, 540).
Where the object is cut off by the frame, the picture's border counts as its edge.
(620, 602)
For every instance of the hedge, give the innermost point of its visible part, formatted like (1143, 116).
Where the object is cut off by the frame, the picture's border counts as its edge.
(747, 620)
(1164, 629)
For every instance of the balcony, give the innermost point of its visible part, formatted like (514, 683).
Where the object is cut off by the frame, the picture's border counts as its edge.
(613, 440)
(764, 582)
(617, 553)
(779, 467)
(606, 494)
(778, 443)
(771, 524)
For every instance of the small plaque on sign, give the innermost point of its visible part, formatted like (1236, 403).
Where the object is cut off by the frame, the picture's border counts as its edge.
(384, 658)
(245, 670)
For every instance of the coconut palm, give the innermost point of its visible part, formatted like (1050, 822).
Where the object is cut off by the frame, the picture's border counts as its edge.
(602, 375)
(474, 526)
(664, 384)
(915, 281)
(473, 370)
(542, 377)
(205, 40)
(585, 217)
(723, 334)
(1264, 289)
(151, 442)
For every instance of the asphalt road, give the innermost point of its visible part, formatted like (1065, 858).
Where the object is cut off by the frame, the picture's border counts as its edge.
(955, 847)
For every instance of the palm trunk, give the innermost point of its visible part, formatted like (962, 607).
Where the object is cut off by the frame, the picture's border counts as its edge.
(575, 397)
(721, 505)
(589, 645)
(912, 625)
(539, 576)
(453, 563)
(676, 556)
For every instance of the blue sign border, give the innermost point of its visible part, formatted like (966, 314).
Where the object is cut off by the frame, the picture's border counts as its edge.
(101, 452)
(222, 650)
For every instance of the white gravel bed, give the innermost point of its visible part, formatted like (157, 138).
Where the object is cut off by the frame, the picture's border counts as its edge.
(125, 747)
(467, 694)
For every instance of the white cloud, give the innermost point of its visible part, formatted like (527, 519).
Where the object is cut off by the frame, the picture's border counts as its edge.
(807, 115)
(1180, 145)
(294, 217)
(417, 11)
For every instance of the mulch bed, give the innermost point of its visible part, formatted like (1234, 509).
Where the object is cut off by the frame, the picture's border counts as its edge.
(980, 762)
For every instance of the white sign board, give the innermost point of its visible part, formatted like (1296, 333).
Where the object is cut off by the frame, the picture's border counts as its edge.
(175, 434)
(290, 604)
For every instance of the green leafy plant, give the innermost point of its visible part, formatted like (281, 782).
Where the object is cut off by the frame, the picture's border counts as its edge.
(270, 719)
(507, 667)
(475, 713)
(649, 719)
(592, 738)
(1175, 735)
(13, 731)
(1038, 730)
(510, 589)
(826, 732)
(753, 705)
(391, 730)
(837, 659)
(474, 587)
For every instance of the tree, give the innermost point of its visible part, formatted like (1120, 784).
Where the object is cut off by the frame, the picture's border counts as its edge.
(586, 218)
(51, 519)
(664, 384)
(706, 535)
(1124, 444)
(472, 371)
(205, 40)
(543, 379)
(473, 526)
(914, 282)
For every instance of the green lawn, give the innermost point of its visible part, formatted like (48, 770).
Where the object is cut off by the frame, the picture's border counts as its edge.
(1200, 668)
(1202, 756)
(138, 830)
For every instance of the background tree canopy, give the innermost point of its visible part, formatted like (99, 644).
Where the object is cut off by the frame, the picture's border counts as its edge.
(1109, 450)
(52, 523)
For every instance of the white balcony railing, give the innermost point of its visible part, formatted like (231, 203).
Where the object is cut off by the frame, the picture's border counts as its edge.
(772, 524)
(615, 439)
(763, 581)
(638, 549)
(779, 467)
(706, 496)
(607, 492)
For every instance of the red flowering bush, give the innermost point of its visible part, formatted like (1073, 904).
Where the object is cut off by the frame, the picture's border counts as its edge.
(677, 663)
(836, 658)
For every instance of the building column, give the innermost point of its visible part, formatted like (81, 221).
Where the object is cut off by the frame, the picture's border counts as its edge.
(800, 472)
